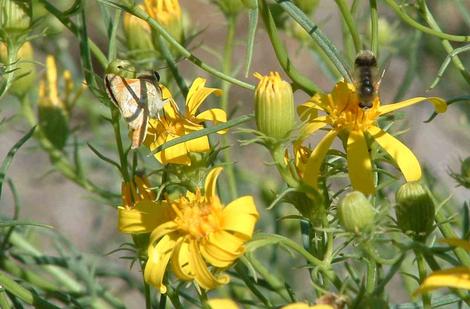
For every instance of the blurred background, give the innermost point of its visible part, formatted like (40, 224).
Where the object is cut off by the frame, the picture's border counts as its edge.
(90, 226)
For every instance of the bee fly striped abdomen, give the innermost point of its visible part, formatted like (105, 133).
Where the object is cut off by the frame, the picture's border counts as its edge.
(365, 77)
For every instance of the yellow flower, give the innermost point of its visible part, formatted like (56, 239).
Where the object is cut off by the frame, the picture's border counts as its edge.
(173, 124)
(168, 14)
(138, 35)
(53, 108)
(192, 231)
(222, 303)
(343, 115)
(457, 277)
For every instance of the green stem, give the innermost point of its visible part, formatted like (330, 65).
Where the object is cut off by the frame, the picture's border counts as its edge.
(58, 157)
(374, 27)
(448, 232)
(115, 115)
(299, 80)
(434, 32)
(371, 276)
(25, 295)
(227, 69)
(374, 255)
(12, 50)
(163, 46)
(277, 152)
(242, 272)
(4, 302)
(445, 43)
(67, 22)
(422, 275)
(344, 9)
(275, 283)
(134, 10)
(148, 295)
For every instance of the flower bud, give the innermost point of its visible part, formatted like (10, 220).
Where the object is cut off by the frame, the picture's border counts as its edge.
(24, 71)
(138, 36)
(414, 210)
(230, 7)
(168, 14)
(464, 177)
(307, 5)
(53, 116)
(274, 105)
(15, 17)
(122, 68)
(355, 212)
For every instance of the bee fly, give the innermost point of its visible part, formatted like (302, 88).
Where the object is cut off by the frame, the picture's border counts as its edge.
(366, 78)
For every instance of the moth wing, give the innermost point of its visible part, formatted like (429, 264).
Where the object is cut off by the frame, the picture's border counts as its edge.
(154, 98)
(139, 131)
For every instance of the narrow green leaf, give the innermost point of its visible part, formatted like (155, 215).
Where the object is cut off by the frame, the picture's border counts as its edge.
(315, 32)
(9, 158)
(12, 223)
(204, 132)
(252, 26)
(103, 157)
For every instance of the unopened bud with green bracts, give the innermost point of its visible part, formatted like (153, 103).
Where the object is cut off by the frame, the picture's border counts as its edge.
(415, 210)
(274, 106)
(15, 18)
(355, 213)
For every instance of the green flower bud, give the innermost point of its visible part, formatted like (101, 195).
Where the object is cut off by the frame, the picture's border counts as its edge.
(464, 177)
(414, 210)
(274, 106)
(122, 68)
(138, 36)
(355, 213)
(15, 17)
(52, 109)
(24, 71)
(250, 4)
(307, 5)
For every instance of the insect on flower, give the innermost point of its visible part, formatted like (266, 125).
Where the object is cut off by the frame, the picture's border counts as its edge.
(137, 99)
(366, 78)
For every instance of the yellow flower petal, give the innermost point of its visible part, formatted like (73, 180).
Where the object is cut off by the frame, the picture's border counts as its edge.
(222, 248)
(211, 181)
(158, 257)
(359, 163)
(456, 242)
(171, 110)
(240, 216)
(197, 94)
(311, 127)
(309, 110)
(216, 115)
(202, 275)
(439, 104)
(312, 167)
(176, 154)
(402, 155)
(200, 144)
(180, 261)
(458, 277)
(222, 303)
(143, 218)
(162, 230)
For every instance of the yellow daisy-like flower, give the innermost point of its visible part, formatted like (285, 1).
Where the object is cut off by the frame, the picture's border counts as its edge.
(343, 115)
(192, 231)
(457, 277)
(168, 14)
(173, 124)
